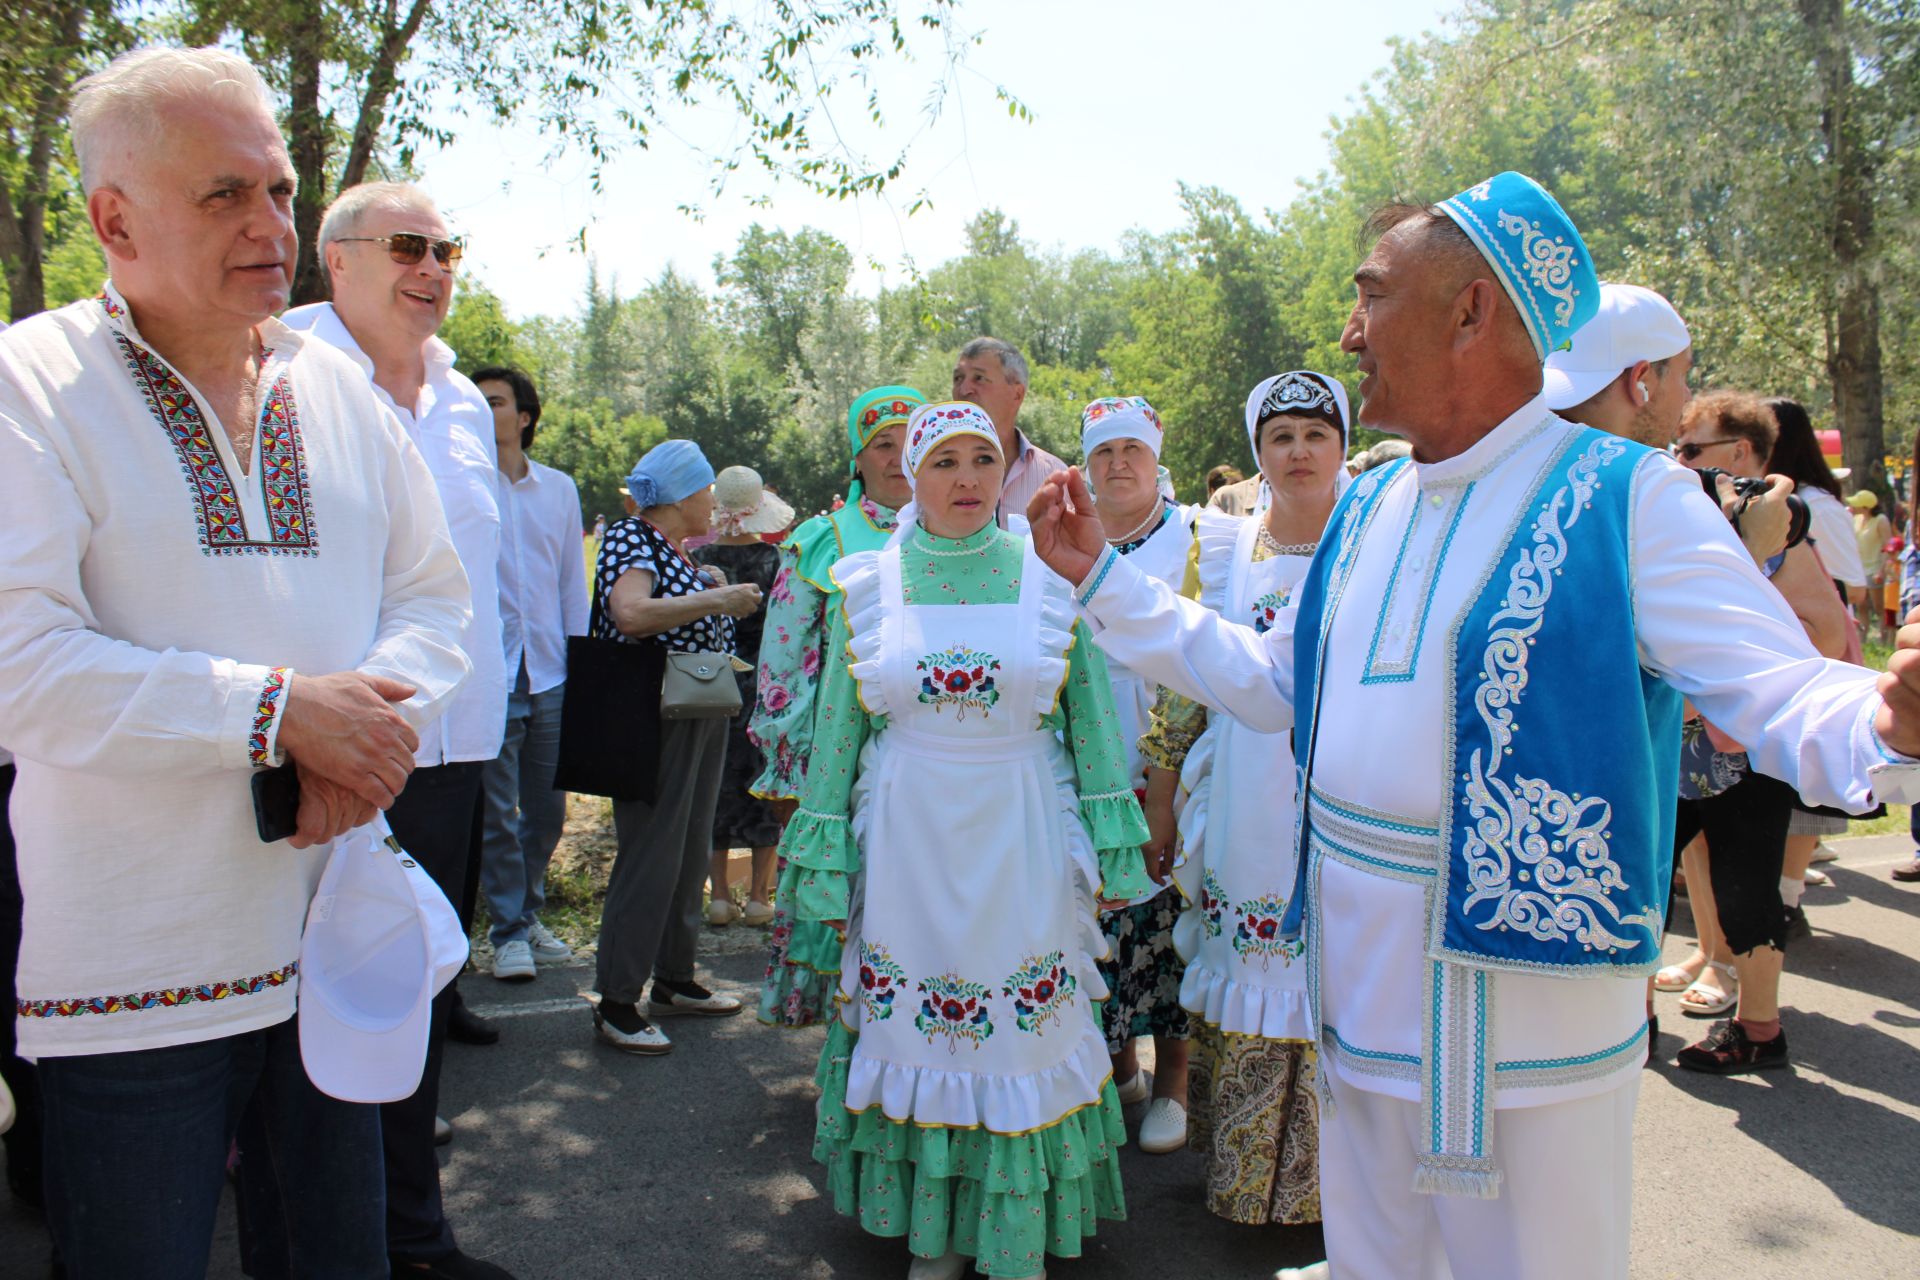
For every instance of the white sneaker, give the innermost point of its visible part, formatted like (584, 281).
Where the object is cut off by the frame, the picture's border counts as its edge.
(689, 997)
(1138, 1089)
(1165, 1128)
(513, 962)
(547, 949)
(648, 1039)
(757, 914)
(951, 1266)
(1318, 1271)
(1821, 853)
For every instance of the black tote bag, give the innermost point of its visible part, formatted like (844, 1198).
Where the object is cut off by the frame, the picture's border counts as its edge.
(610, 716)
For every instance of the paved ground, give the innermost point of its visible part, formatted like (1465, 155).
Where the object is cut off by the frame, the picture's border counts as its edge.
(576, 1162)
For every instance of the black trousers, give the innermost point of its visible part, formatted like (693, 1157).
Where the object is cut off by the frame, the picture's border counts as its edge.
(437, 820)
(23, 1140)
(1746, 830)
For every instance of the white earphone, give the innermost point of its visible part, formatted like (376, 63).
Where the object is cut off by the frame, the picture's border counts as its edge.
(1644, 393)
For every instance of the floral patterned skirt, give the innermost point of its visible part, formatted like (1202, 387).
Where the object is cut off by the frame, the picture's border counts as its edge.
(1004, 1201)
(803, 970)
(1143, 972)
(1251, 1110)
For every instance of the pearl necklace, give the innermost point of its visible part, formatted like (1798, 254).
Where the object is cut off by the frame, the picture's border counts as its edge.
(1152, 516)
(920, 540)
(1275, 547)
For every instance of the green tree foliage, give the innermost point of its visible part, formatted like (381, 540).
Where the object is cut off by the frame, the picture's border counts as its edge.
(597, 447)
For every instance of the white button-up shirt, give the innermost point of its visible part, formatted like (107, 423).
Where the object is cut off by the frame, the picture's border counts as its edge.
(543, 573)
(452, 426)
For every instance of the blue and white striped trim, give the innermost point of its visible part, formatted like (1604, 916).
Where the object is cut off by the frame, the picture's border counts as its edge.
(1101, 569)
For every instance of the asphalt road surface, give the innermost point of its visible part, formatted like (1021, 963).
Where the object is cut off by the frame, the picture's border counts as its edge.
(573, 1161)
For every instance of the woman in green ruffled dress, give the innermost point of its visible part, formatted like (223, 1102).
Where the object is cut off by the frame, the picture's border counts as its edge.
(803, 961)
(966, 810)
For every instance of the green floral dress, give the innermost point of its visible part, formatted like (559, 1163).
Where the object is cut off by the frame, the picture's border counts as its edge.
(966, 802)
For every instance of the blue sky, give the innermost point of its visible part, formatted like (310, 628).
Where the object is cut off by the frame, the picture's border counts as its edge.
(1127, 103)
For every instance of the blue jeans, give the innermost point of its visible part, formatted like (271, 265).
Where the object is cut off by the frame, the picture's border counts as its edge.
(522, 814)
(136, 1147)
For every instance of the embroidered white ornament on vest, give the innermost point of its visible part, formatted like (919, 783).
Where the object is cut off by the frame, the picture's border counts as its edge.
(1548, 259)
(1553, 844)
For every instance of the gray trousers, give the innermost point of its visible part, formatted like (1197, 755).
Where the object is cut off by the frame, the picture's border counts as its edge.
(651, 924)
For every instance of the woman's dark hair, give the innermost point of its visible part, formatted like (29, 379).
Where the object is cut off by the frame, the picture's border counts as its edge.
(525, 397)
(1796, 450)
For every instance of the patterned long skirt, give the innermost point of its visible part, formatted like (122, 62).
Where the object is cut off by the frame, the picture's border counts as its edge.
(1251, 1111)
(1142, 972)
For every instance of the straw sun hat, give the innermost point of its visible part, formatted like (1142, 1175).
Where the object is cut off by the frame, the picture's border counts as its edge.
(741, 504)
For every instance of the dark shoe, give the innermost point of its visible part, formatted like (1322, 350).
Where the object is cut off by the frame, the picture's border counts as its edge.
(1798, 930)
(1907, 872)
(468, 1027)
(455, 1266)
(669, 998)
(1653, 1037)
(1726, 1051)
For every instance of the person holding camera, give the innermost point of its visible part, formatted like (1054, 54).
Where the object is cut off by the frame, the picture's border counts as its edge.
(1743, 816)
(652, 593)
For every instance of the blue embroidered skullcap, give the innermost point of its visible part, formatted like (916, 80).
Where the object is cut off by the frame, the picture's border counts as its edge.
(1536, 254)
(668, 472)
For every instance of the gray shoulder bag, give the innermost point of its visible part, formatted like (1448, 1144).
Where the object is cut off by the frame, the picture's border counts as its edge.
(700, 686)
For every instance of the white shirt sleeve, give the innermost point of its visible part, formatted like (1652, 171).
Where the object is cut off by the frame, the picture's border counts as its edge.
(1152, 629)
(1717, 631)
(1834, 535)
(573, 565)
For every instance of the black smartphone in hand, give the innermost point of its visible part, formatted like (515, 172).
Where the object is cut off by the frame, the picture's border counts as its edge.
(276, 803)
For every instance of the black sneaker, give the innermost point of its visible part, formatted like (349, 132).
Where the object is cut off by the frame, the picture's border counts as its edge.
(467, 1027)
(455, 1266)
(1726, 1051)
(669, 998)
(1798, 930)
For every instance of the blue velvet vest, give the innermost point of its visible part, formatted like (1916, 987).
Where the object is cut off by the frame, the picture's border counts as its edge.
(1559, 838)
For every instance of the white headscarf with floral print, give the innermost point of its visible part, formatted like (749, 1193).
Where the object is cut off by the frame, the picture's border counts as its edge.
(930, 425)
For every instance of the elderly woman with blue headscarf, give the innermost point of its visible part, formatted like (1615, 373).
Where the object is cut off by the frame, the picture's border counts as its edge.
(647, 591)
(1251, 1100)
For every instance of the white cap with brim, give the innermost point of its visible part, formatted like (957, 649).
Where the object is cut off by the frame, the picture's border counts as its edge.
(1633, 324)
(381, 941)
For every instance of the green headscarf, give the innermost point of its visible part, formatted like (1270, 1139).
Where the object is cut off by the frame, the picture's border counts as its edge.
(872, 413)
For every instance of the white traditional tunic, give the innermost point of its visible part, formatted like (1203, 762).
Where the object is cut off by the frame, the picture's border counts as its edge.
(1162, 556)
(1241, 976)
(155, 603)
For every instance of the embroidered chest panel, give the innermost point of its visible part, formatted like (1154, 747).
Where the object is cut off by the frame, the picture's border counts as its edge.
(281, 467)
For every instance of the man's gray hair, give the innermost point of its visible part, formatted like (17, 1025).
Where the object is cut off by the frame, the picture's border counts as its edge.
(1012, 363)
(347, 214)
(118, 112)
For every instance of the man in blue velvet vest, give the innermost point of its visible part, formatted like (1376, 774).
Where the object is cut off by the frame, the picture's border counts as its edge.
(1483, 676)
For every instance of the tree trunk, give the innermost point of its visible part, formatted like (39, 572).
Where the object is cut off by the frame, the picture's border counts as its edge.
(383, 77)
(308, 128)
(1853, 349)
(23, 220)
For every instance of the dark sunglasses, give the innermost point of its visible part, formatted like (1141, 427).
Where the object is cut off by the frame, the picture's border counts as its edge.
(1694, 448)
(408, 247)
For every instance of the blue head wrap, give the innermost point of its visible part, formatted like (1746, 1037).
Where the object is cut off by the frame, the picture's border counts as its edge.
(668, 472)
(1536, 253)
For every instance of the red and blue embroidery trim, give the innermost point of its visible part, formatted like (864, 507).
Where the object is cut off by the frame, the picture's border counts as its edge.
(263, 714)
(282, 466)
(171, 997)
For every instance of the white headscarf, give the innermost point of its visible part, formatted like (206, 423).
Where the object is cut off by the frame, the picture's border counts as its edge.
(927, 428)
(1303, 392)
(1119, 418)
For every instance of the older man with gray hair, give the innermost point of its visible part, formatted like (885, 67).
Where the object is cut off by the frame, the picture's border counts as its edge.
(391, 259)
(220, 554)
(993, 374)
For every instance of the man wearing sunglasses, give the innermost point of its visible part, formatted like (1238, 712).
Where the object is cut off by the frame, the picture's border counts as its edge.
(391, 262)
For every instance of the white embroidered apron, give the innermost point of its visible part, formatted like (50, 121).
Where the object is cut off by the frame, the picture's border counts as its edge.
(969, 967)
(1236, 866)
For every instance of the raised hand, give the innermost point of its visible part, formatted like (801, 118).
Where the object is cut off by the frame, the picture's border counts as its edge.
(1067, 535)
(344, 728)
(1899, 721)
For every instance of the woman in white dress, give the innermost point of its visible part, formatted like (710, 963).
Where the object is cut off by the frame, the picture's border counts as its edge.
(965, 808)
(1251, 1094)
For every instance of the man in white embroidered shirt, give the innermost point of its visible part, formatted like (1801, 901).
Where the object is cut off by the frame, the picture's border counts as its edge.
(219, 550)
(391, 261)
(543, 600)
(1521, 601)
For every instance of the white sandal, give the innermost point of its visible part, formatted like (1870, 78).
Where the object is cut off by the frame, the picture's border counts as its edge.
(1711, 1002)
(1677, 977)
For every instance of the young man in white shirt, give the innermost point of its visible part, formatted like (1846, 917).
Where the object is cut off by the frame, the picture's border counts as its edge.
(391, 260)
(219, 552)
(543, 600)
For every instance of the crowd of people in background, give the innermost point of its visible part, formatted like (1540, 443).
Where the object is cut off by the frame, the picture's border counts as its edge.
(1011, 745)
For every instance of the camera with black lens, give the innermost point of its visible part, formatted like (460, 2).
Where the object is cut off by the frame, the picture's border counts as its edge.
(1749, 488)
